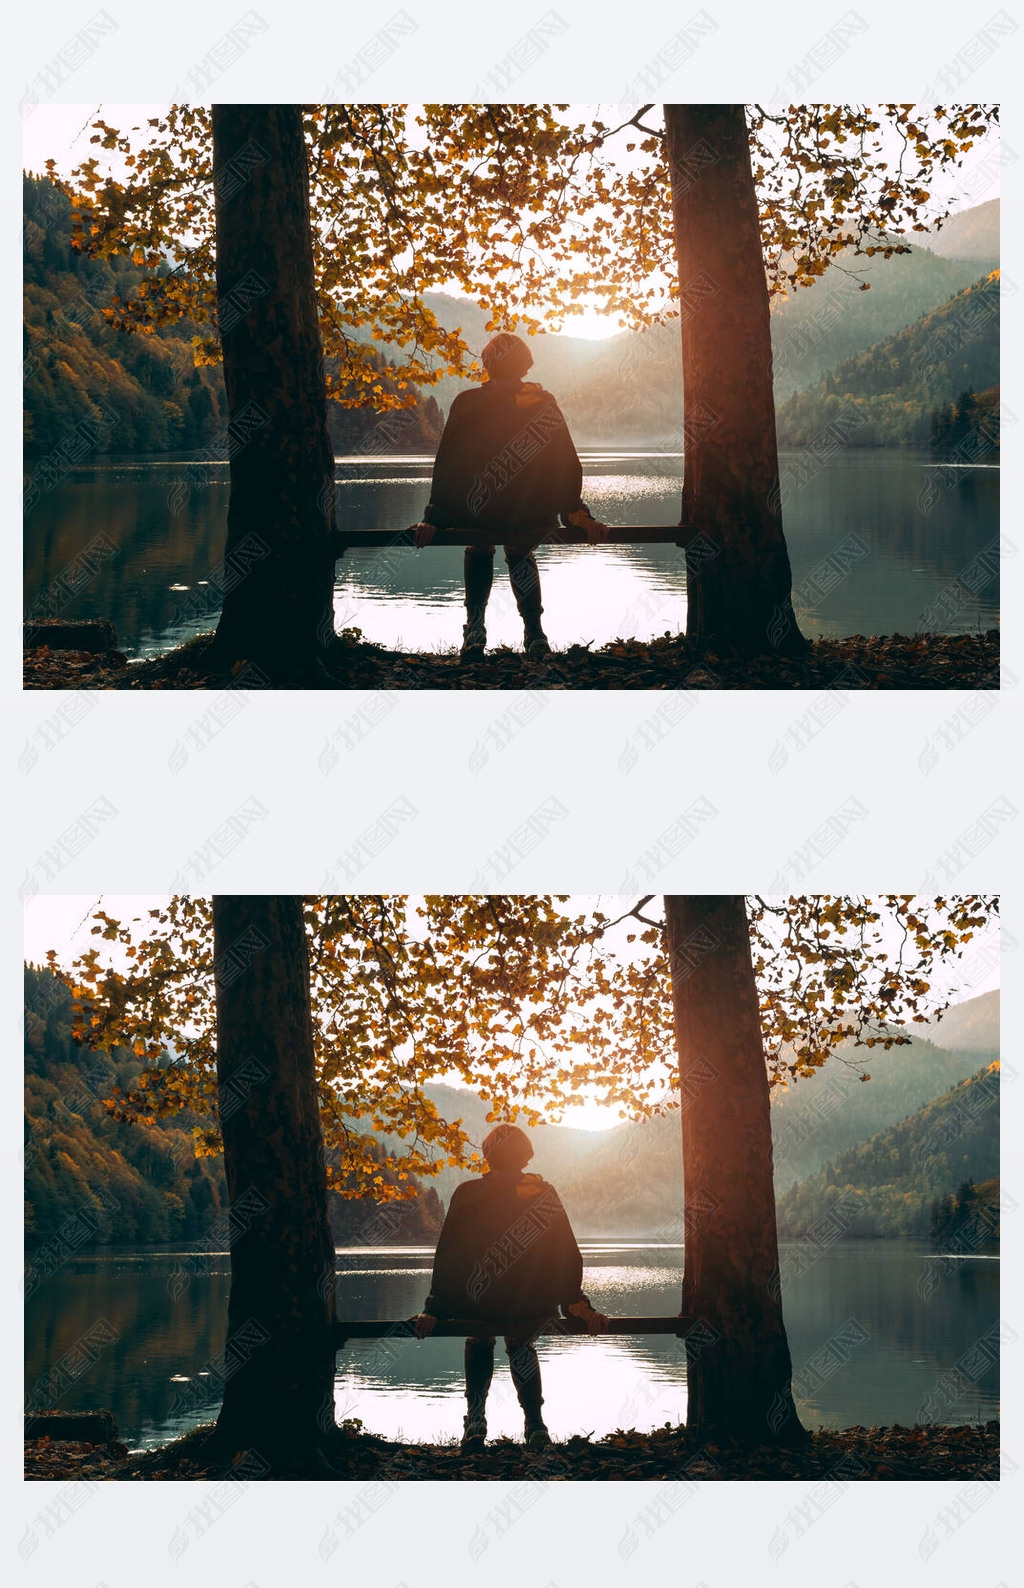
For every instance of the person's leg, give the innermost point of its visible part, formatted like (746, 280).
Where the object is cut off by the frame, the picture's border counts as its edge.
(525, 1370)
(525, 580)
(479, 1371)
(478, 572)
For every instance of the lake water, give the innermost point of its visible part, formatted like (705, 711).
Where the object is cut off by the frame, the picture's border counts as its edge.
(875, 1329)
(878, 540)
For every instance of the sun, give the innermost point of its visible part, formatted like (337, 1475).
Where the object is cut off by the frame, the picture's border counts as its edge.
(593, 325)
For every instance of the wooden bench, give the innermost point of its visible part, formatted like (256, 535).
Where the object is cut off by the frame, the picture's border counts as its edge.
(618, 535)
(402, 1328)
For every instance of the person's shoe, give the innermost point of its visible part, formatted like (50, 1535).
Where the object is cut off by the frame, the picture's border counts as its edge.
(474, 1436)
(474, 641)
(536, 644)
(537, 1436)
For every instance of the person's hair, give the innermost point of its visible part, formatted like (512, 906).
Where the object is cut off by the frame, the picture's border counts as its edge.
(507, 1147)
(506, 357)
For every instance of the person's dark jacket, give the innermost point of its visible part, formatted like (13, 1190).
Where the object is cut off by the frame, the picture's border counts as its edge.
(506, 1250)
(505, 461)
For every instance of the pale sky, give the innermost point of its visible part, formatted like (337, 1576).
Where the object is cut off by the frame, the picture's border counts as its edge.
(63, 921)
(62, 132)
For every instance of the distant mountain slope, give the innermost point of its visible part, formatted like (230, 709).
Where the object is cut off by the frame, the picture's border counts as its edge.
(143, 1183)
(969, 1027)
(633, 1185)
(629, 387)
(895, 1182)
(817, 327)
(634, 389)
(820, 1116)
(971, 234)
(886, 395)
(557, 1149)
(631, 1182)
(143, 394)
(557, 360)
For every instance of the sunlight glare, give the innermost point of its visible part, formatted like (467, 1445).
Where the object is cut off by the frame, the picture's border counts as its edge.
(593, 325)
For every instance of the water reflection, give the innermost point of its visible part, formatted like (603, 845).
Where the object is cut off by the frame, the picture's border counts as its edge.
(916, 527)
(904, 1331)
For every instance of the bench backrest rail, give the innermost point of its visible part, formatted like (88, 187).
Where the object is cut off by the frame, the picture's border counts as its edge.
(402, 1328)
(618, 535)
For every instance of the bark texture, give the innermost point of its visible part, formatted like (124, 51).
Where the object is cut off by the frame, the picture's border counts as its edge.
(278, 570)
(279, 1356)
(738, 1362)
(739, 582)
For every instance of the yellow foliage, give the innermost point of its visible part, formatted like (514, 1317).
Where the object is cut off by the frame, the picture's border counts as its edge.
(525, 998)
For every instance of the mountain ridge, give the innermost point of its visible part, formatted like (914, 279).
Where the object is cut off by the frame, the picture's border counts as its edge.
(971, 233)
(891, 392)
(897, 1181)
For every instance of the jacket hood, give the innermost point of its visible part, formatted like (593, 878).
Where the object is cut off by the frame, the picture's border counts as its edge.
(527, 393)
(526, 1185)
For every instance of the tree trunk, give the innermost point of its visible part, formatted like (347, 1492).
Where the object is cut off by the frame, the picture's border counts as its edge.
(278, 575)
(738, 1364)
(279, 1356)
(738, 578)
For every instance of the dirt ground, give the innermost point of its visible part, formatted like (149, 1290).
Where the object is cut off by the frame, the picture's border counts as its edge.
(897, 661)
(666, 1455)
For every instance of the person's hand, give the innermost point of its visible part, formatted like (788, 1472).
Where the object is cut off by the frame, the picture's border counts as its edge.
(593, 528)
(593, 1321)
(423, 534)
(423, 1324)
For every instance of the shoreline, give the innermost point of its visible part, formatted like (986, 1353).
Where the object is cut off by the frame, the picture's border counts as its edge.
(858, 1454)
(897, 661)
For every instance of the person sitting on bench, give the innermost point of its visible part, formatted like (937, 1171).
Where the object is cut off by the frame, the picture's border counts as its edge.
(506, 1250)
(505, 464)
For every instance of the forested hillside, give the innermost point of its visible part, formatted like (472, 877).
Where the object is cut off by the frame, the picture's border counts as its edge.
(140, 1183)
(967, 1218)
(967, 428)
(819, 327)
(905, 1180)
(142, 393)
(130, 393)
(822, 1115)
(121, 392)
(144, 1183)
(123, 1182)
(890, 393)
